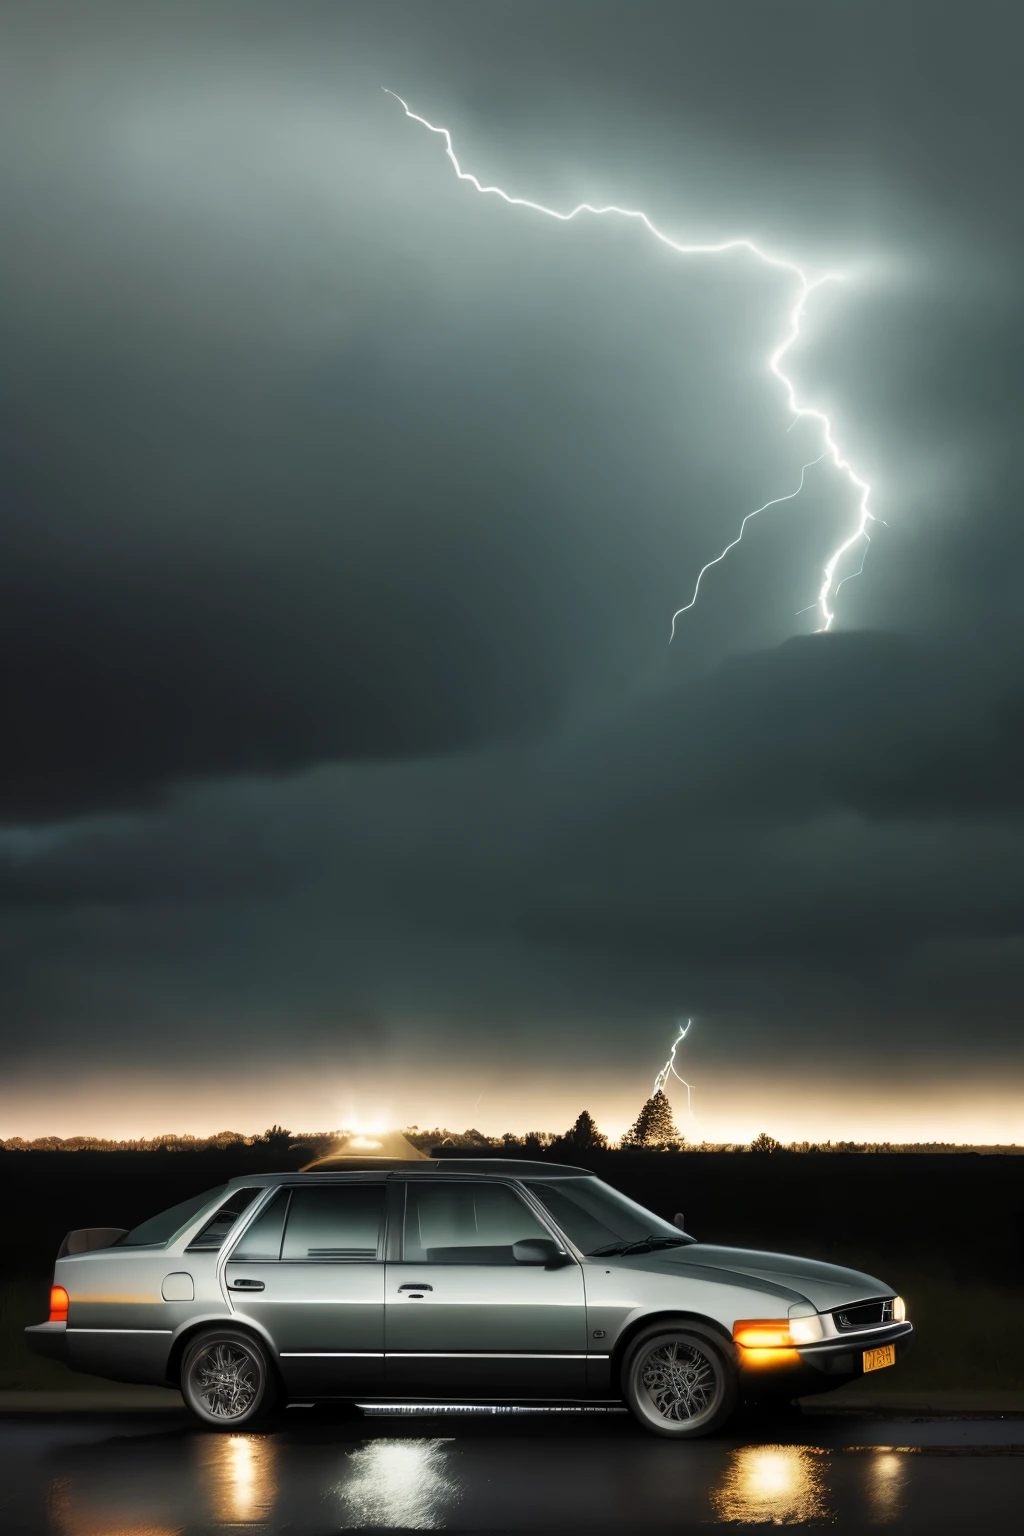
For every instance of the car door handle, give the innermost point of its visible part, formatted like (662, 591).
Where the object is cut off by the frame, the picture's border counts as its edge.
(412, 1286)
(246, 1285)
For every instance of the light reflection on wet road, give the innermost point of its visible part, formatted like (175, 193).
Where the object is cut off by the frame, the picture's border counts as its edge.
(319, 1472)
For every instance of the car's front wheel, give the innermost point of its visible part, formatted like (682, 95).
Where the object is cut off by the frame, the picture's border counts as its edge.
(226, 1378)
(678, 1381)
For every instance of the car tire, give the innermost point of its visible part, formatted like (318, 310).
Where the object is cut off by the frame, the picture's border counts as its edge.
(227, 1379)
(679, 1381)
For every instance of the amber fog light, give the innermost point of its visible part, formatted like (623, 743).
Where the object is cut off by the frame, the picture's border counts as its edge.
(763, 1333)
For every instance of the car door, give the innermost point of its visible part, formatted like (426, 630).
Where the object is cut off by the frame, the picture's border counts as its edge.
(462, 1316)
(310, 1271)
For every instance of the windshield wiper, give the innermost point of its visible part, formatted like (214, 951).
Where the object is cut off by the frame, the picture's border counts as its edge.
(642, 1245)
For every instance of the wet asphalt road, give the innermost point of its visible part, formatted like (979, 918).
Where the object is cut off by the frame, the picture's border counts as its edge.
(153, 1474)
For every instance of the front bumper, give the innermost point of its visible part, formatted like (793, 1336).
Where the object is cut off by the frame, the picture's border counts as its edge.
(820, 1367)
(845, 1356)
(49, 1339)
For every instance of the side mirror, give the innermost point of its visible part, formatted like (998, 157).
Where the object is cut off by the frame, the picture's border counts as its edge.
(540, 1250)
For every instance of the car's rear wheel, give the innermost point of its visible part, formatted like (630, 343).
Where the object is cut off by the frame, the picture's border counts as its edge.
(227, 1379)
(678, 1381)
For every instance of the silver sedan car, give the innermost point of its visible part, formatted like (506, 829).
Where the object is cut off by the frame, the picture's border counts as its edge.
(455, 1284)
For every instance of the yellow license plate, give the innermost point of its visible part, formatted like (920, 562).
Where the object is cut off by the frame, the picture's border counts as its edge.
(875, 1359)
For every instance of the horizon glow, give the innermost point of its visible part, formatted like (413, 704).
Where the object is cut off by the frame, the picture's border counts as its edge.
(734, 1108)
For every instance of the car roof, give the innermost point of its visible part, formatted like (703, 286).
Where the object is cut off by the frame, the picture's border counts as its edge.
(475, 1167)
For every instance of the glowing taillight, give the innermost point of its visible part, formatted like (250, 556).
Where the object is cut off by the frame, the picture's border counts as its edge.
(58, 1304)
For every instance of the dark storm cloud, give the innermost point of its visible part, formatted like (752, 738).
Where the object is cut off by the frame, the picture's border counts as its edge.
(345, 512)
(879, 726)
(870, 723)
(701, 830)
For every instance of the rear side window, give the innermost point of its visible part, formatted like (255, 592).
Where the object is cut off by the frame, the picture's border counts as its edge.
(163, 1228)
(334, 1222)
(219, 1225)
(263, 1239)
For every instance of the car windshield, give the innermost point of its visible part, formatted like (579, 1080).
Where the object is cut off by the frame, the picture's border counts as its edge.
(596, 1217)
(165, 1227)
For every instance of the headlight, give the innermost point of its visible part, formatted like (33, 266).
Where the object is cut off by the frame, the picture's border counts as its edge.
(806, 1330)
(899, 1310)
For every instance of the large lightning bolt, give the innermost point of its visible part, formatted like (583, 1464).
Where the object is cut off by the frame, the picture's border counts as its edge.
(805, 286)
(669, 1069)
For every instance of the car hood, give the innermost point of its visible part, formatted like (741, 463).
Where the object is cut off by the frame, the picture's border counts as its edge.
(781, 1275)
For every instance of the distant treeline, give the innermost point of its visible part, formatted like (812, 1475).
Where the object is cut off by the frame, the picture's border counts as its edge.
(275, 1139)
(583, 1137)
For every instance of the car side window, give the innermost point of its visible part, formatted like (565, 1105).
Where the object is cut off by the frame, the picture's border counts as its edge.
(338, 1221)
(165, 1227)
(466, 1223)
(262, 1241)
(212, 1235)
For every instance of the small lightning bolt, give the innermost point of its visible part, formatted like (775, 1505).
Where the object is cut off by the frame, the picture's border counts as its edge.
(805, 286)
(669, 1069)
(719, 558)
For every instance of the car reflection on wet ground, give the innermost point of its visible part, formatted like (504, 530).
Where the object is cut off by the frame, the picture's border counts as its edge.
(156, 1475)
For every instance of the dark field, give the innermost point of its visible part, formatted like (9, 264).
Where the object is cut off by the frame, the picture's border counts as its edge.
(946, 1230)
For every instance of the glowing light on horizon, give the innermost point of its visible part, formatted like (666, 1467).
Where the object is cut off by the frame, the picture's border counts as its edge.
(368, 1125)
(805, 286)
(808, 1103)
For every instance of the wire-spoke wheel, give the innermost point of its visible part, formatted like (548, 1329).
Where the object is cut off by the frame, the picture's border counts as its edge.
(225, 1378)
(678, 1382)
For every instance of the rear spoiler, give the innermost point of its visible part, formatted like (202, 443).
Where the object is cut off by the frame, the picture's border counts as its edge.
(88, 1238)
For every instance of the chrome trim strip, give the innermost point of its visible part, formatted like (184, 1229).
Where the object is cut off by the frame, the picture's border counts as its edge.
(304, 1301)
(469, 1354)
(167, 1331)
(332, 1354)
(462, 1354)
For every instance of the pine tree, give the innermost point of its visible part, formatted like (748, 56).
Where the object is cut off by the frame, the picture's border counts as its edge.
(653, 1126)
(583, 1135)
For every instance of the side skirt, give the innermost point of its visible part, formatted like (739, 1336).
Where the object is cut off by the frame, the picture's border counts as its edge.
(486, 1410)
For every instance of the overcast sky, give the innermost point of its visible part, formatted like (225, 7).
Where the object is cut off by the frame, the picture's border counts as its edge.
(348, 773)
